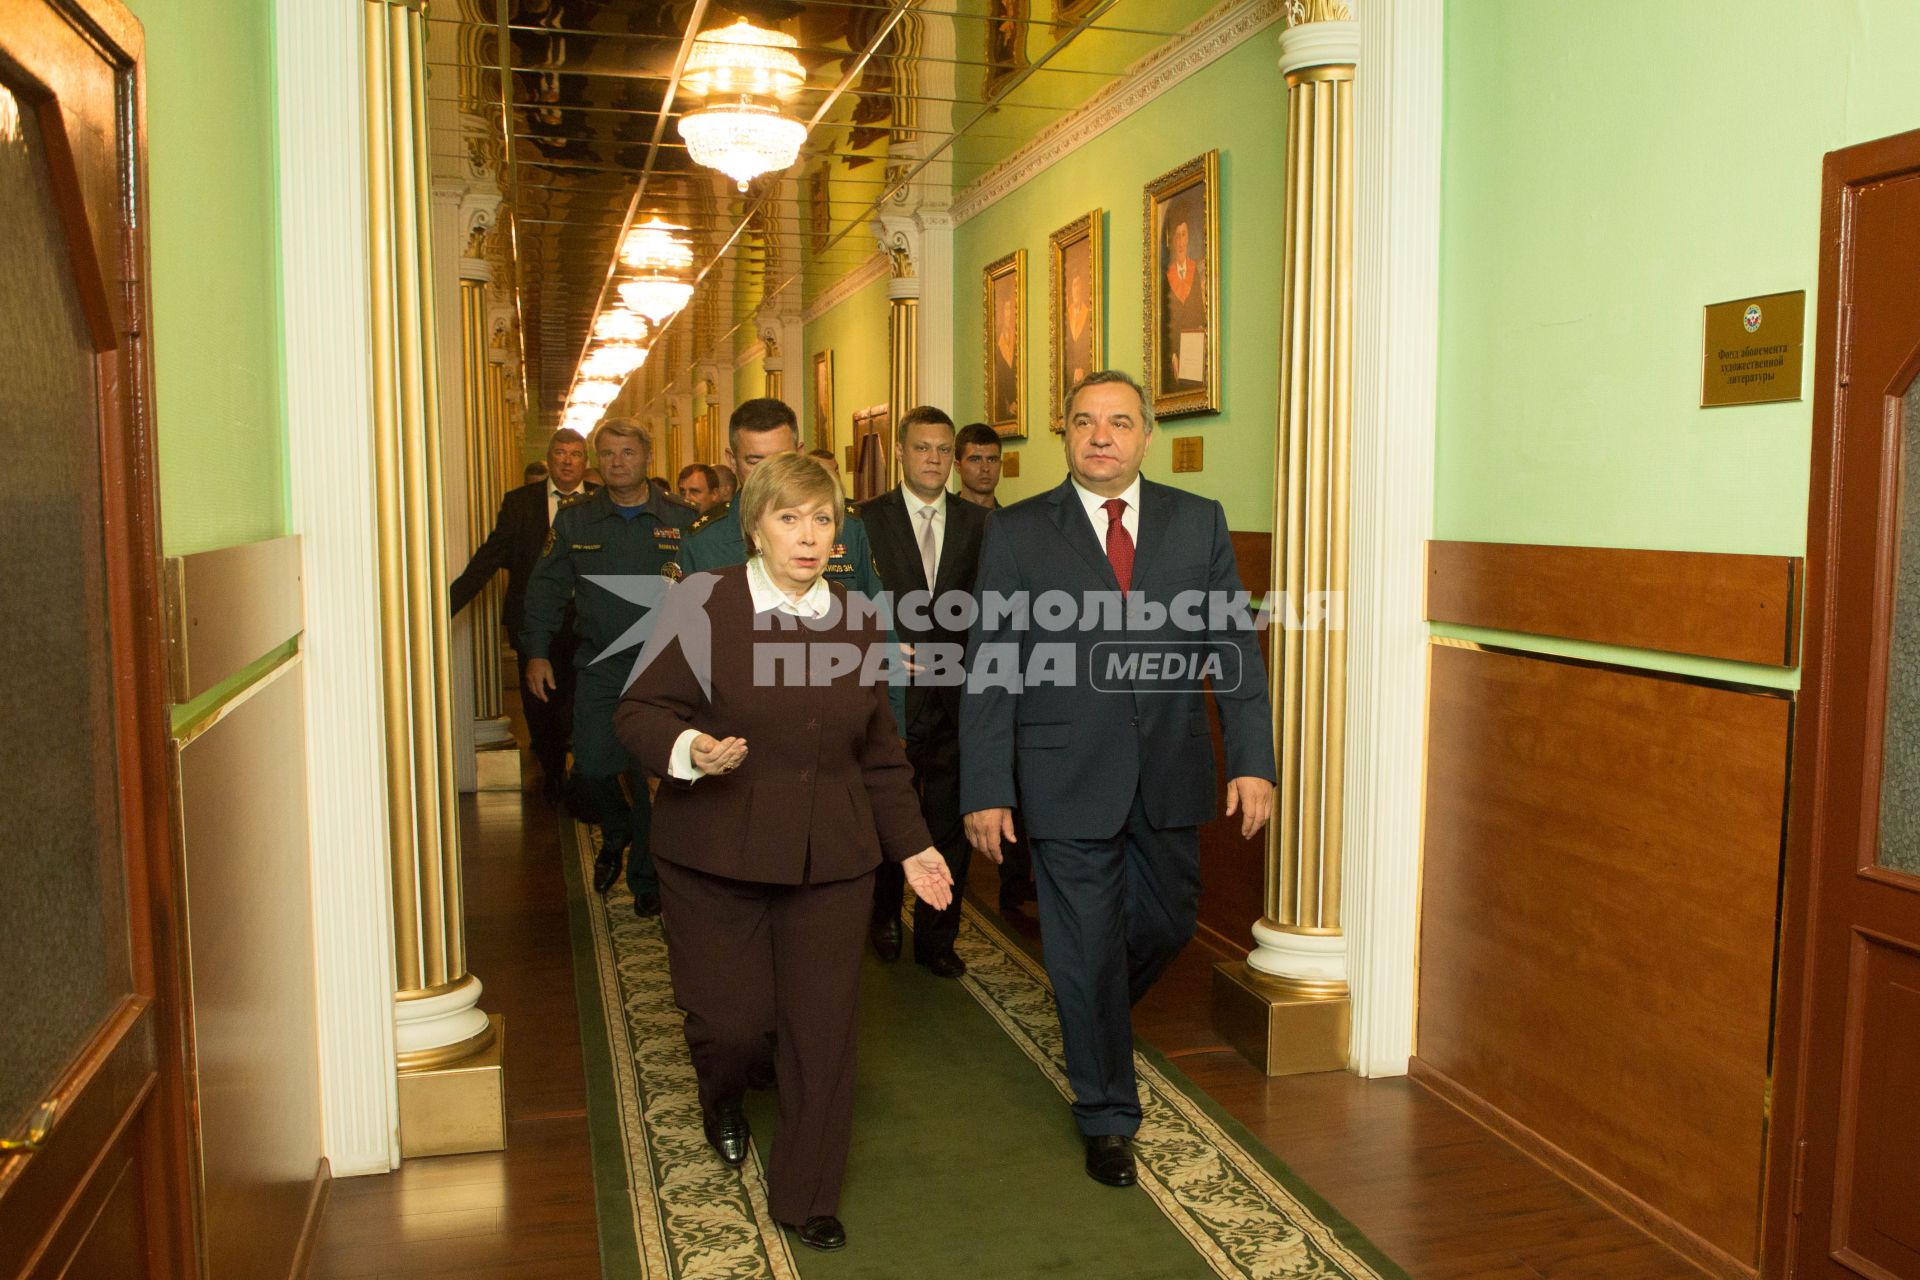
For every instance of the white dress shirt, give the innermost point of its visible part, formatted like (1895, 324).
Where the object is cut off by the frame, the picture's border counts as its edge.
(767, 598)
(555, 497)
(1097, 511)
(939, 508)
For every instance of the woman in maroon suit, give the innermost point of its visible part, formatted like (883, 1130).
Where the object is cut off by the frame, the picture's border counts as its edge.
(766, 859)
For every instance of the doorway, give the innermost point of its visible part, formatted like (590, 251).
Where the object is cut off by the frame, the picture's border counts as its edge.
(95, 1135)
(1843, 1198)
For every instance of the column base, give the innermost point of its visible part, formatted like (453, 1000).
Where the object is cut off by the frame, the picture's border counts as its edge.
(457, 1107)
(1282, 1028)
(491, 731)
(497, 768)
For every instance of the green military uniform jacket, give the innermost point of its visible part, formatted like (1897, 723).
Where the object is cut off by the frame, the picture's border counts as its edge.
(589, 538)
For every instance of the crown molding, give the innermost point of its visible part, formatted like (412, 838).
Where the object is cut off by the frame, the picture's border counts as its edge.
(1222, 30)
(874, 268)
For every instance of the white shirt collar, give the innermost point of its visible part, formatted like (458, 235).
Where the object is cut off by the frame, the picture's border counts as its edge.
(814, 603)
(1096, 505)
(915, 506)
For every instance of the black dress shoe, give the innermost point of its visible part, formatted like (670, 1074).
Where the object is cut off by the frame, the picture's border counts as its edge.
(606, 869)
(646, 903)
(1110, 1160)
(946, 965)
(1012, 894)
(823, 1233)
(884, 933)
(727, 1130)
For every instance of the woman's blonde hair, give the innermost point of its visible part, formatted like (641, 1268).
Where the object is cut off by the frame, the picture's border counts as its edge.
(789, 480)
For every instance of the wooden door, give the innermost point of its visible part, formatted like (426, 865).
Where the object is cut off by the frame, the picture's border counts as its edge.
(1844, 1192)
(94, 1177)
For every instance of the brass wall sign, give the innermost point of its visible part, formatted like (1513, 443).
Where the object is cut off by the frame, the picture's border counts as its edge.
(1752, 350)
(1187, 455)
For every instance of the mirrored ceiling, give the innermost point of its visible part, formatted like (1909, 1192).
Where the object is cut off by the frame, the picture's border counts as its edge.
(581, 100)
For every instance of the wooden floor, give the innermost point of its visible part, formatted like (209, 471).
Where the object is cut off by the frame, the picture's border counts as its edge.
(1438, 1193)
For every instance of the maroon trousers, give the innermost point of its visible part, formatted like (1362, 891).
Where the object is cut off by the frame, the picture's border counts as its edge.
(749, 960)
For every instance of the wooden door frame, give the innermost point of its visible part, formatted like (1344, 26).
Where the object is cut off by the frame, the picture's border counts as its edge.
(1807, 798)
(155, 889)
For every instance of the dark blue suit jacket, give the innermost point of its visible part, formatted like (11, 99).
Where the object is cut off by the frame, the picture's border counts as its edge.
(1082, 750)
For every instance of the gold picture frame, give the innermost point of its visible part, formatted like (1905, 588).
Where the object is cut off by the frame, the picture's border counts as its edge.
(1006, 42)
(1180, 288)
(1068, 12)
(1004, 343)
(821, 435)
(1075, 257)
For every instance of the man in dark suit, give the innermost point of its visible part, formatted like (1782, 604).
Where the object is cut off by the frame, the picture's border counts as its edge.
(519, 532)
(927, 541)
(1113, 762)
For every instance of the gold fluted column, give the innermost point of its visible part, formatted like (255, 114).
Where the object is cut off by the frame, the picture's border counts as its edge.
(483, 499)
(903, 336)
(437, 1019)
(1286, 1005)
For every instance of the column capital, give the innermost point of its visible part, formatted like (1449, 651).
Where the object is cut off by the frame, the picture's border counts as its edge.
(1320, 33)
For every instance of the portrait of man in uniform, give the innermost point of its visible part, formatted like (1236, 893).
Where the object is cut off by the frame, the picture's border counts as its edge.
(1183, 287)
(1075, 317)
(1006, 296)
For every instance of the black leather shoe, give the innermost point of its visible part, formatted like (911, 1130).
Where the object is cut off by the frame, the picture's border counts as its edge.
(727, 1131)
(1012, 895)
(1110, 1160)
(823, 1233)
(884, 933)
(606, 869)
(947, 965)
(646, 903)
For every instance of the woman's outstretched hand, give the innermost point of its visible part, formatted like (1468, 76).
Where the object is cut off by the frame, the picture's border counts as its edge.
(932, 882)
(723, 756)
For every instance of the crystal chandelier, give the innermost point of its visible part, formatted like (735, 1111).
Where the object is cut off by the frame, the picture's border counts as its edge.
(581, 417)
(743, 72)
(657, 253)
(613, 360)
(617, 324)
(658, 298)
(595, 392)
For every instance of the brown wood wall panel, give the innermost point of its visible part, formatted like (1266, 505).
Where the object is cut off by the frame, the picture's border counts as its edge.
(1737, 607)
(1597, 922)
(1232, 870)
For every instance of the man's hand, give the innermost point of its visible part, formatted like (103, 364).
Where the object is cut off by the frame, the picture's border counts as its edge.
(986, 828)
(722, 756)
(540, 678)
(1253, 799)
(931, 878)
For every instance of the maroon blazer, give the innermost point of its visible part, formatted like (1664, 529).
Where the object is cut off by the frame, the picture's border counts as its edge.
(825, 791)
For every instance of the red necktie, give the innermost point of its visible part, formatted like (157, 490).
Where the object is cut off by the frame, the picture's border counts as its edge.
(1119, 542)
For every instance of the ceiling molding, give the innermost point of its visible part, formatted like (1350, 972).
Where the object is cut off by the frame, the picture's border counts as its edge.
(1221, 31)
(874, 268)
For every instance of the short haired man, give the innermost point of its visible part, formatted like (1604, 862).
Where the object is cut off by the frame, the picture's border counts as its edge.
(630, 527)
(519, 534)
(729, 482)
(924, 541)
(1113, 767)
(826, 459)
(976, 449)
(536, 472)
(699, 487)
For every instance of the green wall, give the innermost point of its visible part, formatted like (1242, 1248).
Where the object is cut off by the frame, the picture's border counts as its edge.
(1110, 172)
(856, 333)
(1608, 170)
(214, 248)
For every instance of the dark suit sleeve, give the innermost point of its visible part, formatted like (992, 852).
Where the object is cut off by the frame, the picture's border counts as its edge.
(889, 778)
(549, 589)
(659, 705)
(1246, 718)
(987, 704)
(488, 559)
(866, 580)
(691, 558)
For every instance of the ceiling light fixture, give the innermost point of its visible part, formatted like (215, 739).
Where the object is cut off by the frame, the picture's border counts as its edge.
(658, 298)
(596, 392)
(655, 250)
(613, 360)
(744, 72)
(617, 324)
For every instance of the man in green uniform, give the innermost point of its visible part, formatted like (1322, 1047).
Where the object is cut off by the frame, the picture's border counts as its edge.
(630, 528)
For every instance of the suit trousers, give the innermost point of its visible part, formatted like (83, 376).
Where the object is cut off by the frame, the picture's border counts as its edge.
(754, 961)
(601, 763)
(1113, 915)
(550, 722)
(933, 749)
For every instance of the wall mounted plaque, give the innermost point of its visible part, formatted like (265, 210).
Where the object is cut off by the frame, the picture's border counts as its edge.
(1752, 350)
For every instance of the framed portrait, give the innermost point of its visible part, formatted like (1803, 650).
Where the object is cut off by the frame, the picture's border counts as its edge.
(1182, 288)
(1068, 12)
(1076, 309)
(819, 210)
(1005, 341)
(821, 434)
(1006, 36)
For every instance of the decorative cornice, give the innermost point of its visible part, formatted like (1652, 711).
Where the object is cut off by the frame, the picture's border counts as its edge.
(874, 268)
(1229, 25)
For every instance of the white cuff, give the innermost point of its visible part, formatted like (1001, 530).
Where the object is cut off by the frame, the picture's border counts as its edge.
(680, 763)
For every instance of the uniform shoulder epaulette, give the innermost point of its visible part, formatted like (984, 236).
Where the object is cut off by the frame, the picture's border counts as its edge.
(674, 499)
(710, 517)
(853, 508)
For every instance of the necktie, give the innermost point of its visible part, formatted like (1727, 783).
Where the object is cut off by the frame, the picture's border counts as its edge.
(929, 558)
(1119, 542)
